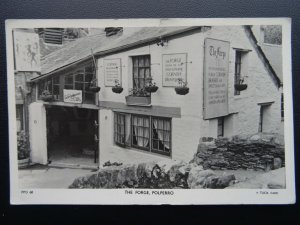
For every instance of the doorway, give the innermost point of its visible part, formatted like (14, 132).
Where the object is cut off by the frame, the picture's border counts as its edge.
(72, 136)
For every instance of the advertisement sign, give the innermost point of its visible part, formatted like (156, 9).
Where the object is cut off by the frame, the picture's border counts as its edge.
(216, 63)
(174, 67)
(72, 96)
(27, 51)
(112, 71)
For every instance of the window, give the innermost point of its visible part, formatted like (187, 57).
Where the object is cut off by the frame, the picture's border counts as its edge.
(79, 79)
(20, 117)
(237, 70)
(261, 117)
(221, 127)
(51, 84)
(141, 71)
(282, 107)
(148, 133)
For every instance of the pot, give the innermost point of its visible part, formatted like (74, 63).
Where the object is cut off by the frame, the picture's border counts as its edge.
(47, 98)
(182, 90)
(94, 89)
(117, 89)
(240, 87)
(151, 89)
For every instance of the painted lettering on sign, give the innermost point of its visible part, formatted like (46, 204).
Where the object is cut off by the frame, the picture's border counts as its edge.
(27, 51)
(216, 78)
(174, 67)
(73, 96)
(112, 71)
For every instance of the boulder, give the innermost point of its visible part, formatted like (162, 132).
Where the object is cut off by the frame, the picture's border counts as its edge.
(277, 163)
(197, 177)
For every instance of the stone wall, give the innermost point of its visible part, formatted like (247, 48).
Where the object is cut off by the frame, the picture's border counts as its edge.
(160, 175)
(257, 152)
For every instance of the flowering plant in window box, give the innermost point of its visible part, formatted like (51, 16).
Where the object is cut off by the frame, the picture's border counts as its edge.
(240, 86)
(93, 87)
(151, 86)
(138, 96)
(182, 89)
(23, 149)
(46, 96)
(117, 88)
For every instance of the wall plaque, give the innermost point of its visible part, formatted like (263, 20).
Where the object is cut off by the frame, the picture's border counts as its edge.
(216, 63)
(173, 68)
(112, 71)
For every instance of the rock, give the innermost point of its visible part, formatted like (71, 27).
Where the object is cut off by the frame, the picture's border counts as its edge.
(277, 163)
(225, 180)
(255, 138)
(197, 177)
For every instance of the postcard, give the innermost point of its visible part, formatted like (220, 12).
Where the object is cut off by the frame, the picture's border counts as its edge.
(150, 111)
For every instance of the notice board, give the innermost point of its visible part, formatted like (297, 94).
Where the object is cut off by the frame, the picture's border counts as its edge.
(216, 63)
(174, 68)
(112, 71)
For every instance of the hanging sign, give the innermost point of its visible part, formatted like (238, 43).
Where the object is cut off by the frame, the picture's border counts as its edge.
(27, 51)
(216, 63)
(173, 68)
(112, 71)
(72, 96)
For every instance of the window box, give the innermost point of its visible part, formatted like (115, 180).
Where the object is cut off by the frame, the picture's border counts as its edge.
(138, 100)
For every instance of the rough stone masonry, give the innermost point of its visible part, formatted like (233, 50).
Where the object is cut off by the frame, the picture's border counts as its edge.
(254, 152)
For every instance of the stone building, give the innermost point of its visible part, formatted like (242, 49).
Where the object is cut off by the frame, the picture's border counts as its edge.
(232, 89)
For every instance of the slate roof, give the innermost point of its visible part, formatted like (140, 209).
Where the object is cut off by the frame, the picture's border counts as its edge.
(80, 49)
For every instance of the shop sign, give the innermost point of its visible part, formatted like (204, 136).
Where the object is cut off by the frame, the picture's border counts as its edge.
(27, 51)
(216, 63)
(112, 71)
(174, 68)
(72, 96)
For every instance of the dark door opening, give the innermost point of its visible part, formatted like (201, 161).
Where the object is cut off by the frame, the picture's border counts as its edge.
(72, 135)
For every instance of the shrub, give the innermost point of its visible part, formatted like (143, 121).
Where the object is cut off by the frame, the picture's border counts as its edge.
(23, 145)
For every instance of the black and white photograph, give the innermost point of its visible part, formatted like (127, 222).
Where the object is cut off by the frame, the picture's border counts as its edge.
(150, 111)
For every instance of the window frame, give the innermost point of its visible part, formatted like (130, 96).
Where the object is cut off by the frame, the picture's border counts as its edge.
(139, 68)
(61, 78)
(149, 149)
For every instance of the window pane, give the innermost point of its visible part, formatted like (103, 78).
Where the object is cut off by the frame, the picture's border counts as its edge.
(135, 72)
(142, 73)
(141, 61)
(147, 61)
(88, 77)
(78, 86)
(135, 62)
(79, 77)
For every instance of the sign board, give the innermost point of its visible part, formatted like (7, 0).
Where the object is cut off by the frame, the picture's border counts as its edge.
(216, 63)
(27, 51)
(174, 67)
(112, 71)
(72, 96)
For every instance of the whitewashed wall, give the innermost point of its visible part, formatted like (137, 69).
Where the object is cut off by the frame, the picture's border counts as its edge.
(187, 129)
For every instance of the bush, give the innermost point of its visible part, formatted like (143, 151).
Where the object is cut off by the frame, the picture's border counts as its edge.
(23, 145)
